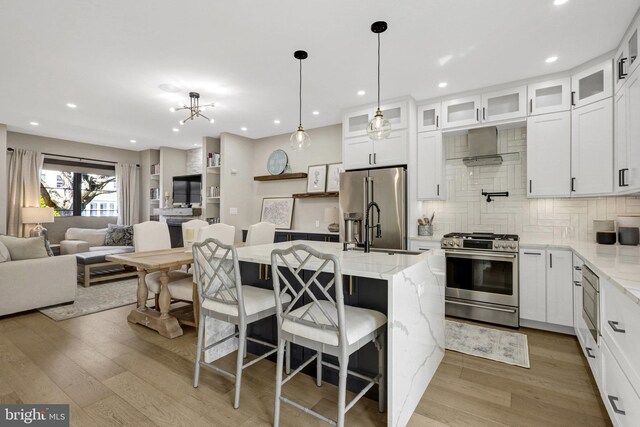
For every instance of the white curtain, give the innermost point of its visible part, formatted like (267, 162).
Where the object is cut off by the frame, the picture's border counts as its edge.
(127, 182)
(24, 187)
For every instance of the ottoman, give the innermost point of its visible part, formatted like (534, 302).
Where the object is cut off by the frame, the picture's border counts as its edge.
(93, 266)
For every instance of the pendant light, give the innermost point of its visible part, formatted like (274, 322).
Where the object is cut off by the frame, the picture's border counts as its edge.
(379, 127)
(300, 139)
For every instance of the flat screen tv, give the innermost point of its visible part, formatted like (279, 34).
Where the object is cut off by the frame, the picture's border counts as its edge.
(187, 189)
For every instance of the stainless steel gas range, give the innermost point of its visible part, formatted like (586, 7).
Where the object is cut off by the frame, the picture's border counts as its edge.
(482, 277)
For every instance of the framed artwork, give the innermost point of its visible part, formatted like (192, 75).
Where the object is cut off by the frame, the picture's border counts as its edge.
(278, 211)
(333, 176)
(317, 179)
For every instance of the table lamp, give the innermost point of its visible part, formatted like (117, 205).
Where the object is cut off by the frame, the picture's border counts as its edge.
(331, 216)
(37, 216)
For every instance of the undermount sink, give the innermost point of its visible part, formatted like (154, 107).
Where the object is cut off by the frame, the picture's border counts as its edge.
(390, 251)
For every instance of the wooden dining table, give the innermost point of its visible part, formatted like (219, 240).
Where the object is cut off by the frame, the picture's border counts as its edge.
(161, 261)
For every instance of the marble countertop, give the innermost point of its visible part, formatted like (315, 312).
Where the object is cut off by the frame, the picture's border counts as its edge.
(375, 265)
(617, 263)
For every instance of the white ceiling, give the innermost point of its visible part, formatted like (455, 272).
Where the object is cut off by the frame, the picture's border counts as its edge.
(109, 57)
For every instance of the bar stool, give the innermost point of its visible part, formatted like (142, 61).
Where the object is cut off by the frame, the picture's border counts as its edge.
(222, 296)
(261, 233)
(324, 325)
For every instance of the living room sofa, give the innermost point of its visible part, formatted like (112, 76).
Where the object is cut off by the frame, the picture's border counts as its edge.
(36, 283)
(78, 240)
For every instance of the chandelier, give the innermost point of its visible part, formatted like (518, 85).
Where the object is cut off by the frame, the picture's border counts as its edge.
(195, 109)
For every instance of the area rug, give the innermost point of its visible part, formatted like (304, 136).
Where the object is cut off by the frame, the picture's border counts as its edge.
(97, 297)
(502, 346)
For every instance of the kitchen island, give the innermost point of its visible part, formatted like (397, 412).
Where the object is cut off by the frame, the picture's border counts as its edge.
(409, 289)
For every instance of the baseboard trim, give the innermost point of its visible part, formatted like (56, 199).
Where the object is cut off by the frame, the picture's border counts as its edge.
(561, 329)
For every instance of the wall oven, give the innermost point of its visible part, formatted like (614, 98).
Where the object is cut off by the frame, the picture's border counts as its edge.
(482, 278)
(591, 302)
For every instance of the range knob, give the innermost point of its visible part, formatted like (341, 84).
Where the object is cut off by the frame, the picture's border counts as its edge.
(498, 245)
(456, 244)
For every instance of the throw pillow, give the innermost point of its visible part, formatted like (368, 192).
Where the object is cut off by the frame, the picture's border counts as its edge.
(4, 253)
(119, 235)
(25, 247)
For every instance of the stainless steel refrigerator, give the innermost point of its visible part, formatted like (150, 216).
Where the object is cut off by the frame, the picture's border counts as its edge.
(388, 188)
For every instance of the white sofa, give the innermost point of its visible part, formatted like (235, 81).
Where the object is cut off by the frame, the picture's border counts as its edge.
(36, 283)
(78, 240)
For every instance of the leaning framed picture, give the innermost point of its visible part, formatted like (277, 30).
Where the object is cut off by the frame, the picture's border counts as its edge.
(278, 211)
(333, 176)
(317, 179)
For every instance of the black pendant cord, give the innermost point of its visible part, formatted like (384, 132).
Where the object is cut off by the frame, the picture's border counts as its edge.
(300, 92)
(378, 71)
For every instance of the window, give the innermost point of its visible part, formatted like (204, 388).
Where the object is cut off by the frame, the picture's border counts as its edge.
(73, 189)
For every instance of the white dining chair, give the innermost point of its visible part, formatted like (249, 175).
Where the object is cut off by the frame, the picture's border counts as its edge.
(261, 234)
(325, 325)
(154, 236)
(222, 296)
(222, 232)
(190, 231)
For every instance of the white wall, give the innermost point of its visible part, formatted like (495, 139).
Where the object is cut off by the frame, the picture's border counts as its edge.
(4, 171)
(326, 147)
(467, 210)
(173, 162)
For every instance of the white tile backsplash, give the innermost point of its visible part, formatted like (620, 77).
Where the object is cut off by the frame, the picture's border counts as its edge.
(467, 210)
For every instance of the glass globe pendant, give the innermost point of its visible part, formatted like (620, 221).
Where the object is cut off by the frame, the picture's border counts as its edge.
(379, 127)
(300, 140)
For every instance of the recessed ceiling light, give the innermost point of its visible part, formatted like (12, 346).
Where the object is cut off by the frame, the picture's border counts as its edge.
(70, 105)
(315, 113)
(276, 121)
(551, 59)
(361, 92)
(559, 2)
(196, 145)
(243, 128)
(442, 84)
(175, 130)
(34, 123)
(168, 87)
(133, 141)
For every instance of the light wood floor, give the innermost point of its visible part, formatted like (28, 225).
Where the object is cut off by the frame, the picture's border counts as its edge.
(115, 373)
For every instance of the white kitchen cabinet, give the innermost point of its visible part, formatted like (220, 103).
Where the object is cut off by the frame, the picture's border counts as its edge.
(391, 151)
(559, 294)
(505, 104)
(357, 153)
(592, 149)
(355, 123)
(396, 113)
(579, 325)
(620, 67)
(592, 85)
(549, 97)
(424, 245)
(429, 117)
(619, 396)
(549, 155)
(627, 136)
(461, 111)
(431, 169)
(533, 292)
(632, 48)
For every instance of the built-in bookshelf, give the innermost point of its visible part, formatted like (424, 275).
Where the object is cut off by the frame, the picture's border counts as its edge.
(212, 192)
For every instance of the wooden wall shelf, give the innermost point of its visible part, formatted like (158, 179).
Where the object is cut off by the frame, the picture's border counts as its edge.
(315, 195)
(282, 176)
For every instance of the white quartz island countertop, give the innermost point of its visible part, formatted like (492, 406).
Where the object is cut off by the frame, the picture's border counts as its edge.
(415, 314)
(617, 263)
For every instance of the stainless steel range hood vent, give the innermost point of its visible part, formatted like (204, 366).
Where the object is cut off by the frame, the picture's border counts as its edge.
(483, 147)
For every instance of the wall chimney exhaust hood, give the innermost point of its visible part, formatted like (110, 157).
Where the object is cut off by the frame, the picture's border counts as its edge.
(483, 147)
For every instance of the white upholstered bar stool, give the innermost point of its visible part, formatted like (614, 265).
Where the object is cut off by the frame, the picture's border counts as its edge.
(261, 234)
(154, 236)
(190, 231)
(222, 296)
(223, 232)
(324, 325)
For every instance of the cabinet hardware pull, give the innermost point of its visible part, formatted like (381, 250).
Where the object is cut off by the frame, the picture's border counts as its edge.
(532, 253)
(259, 271)
(621, 74)
(369, 158)
(375, 162)
(577, 268)
(350, 285)
(614, 326)
(550, 260)
(438, 189)
(466, 304)
(619, 177)
(483, 114)
(531, 105)
(573, 184)
(623, 176)
(266, 272)
(437, 122)
(477, 114)
(613, 400)
(589, 354)
(530, 185)
(573, 98)
(577, 283)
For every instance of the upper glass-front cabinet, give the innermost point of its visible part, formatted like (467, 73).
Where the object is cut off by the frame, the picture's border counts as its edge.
(592, 85)
(632, 51)
(355, 123)
(551, 96)
(461, 112)
(504, 104)
(429, 117)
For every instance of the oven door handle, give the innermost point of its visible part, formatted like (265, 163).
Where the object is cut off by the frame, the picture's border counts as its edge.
(478, 255)
(467, 304)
